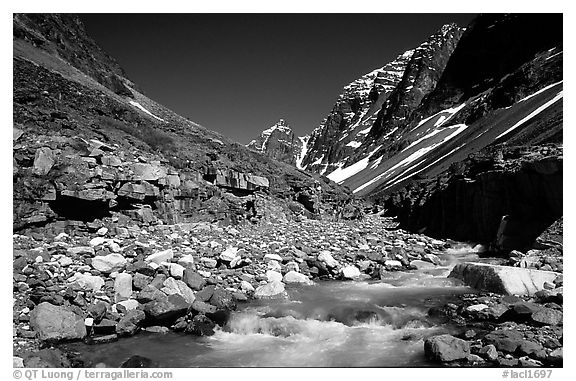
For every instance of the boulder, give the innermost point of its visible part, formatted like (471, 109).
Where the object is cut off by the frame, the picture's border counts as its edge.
(222, 299)
(170, 307)
(56, 323)
(86, 282)
(160, 256)
(273, 276)
(108, 263)
(489, 352)
(130, 322)
(201, 326)
(270, 290)
(148, 172)
(138, 362)
(246, 286)
(176, 270)
(173, 286)
(295, 277)
(229, 254)
(502, 279)
(193, 280)
(327, 258)
(504, 340)
(122, 287)
(444, 348)
(547, 316)
(350, 272)
(43, 161)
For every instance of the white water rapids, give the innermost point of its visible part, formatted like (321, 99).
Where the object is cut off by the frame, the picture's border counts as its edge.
(330, 324)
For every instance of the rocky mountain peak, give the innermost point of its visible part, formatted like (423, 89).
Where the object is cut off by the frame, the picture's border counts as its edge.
(278, 142)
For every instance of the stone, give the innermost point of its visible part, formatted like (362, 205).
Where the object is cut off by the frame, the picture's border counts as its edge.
(108, 263)
(489, 352)
(556, 357)
(476, 308)
(170, 307)
(193, 280)
(86, 282)
(504, 340)
(56, 323)
(547, 316)
(122, 287)
(173, 286)
(273, 276)
(17, 362)
(139, 281)
(445, 348)
(149, 294)
(229, 254)
(270, 290)
(129, 324)
(209, 262)
(274, 257)
(186, 260)
(326, 257)
(44, 160)
(97, 310)
(81, 250)
(222, 299)
(176, 270)
(350, 272)
(246, 286)
(203, 307)
(97, 241)
(392, 264)
(531, 348)
(201, 325)
(104, 327)
(147, 172)
(520, 312)
(502, 279)
(160, 256)
(127, 305)
(296, 277)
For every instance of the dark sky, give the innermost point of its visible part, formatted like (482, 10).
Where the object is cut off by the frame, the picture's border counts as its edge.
(239, 73)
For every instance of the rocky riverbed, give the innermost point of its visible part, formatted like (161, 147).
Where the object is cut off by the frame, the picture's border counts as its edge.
(105, 286)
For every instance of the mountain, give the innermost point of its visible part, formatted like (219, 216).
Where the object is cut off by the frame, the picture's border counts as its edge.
(279, 142)
(88, 144)
(373, 108)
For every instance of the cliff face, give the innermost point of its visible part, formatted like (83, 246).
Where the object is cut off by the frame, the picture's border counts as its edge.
(86, 148)
(515, 190)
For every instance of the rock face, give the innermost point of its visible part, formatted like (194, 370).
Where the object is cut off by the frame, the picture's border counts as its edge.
(56, 323)
(502, 279)
(445, 348)
(278, 142)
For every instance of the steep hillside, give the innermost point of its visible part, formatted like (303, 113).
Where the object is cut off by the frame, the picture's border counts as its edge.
(88, 144)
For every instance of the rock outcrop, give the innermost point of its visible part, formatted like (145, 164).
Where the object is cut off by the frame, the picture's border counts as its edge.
(503, 279)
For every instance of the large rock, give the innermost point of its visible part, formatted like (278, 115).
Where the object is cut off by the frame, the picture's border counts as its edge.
(129, 323)
(502, 279)
(161, 256)
(122, 287)
(547, 316)
(56, 323)
(350, 272)
(43, 161)
(173, 286)
(270, 290)
(504, 340)
(327, 258)
(446, 348)
(108, 263)
(167, 308)
(296, 277)
(86, 282)
(193, 280)
(148, 172)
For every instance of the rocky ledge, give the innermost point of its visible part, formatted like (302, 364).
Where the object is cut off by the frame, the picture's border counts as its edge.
(188, 277)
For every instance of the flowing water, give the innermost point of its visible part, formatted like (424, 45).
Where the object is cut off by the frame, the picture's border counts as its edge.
(343, 324)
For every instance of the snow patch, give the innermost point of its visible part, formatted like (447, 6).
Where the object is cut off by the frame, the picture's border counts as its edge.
(138, 105)
(533, 114)
(354, 144)
(303, 151)
(340, 174)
